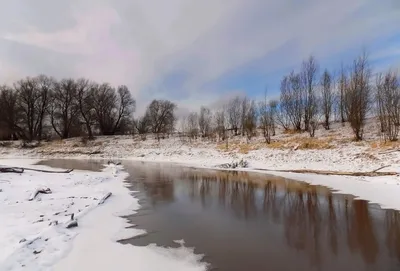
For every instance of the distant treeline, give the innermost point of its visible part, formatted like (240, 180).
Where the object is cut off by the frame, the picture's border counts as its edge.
(37, 108)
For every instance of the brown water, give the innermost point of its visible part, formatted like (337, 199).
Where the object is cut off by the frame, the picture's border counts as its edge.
(92, 165)
(248, 221)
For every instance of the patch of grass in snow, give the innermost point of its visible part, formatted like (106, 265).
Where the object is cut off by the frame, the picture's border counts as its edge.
(383, 145)
(243, 148)
(291, 132)
(298, 142)
(304, 143)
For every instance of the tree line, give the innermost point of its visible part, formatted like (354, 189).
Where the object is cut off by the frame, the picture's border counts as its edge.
(35, 108)
(310, 98)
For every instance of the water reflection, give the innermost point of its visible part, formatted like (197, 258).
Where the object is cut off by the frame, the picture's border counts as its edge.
(311, 220)
(248, 221)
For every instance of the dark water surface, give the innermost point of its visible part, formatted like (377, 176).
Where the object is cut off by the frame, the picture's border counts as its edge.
(249, 221)
(92, 165)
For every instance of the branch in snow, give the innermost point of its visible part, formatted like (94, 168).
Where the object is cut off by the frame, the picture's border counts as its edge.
(105, 197)
(72, 223)
(44, 190)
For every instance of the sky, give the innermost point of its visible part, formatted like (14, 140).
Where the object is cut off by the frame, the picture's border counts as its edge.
(192, 52)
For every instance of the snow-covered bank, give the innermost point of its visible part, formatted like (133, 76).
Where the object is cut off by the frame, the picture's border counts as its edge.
(30, 241)
(329, 150)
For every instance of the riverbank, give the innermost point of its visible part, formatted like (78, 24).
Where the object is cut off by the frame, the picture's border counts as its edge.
(33, 232)
(333, 150)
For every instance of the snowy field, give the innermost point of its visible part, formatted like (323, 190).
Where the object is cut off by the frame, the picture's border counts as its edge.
(34, 233)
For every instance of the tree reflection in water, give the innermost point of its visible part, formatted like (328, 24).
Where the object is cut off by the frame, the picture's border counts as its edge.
(392, 222)
(315, 221)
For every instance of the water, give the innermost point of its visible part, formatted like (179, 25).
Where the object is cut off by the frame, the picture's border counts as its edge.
(92, 165)
(248, 221)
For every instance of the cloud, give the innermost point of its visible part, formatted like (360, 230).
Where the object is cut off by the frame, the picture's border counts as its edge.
(189, 51)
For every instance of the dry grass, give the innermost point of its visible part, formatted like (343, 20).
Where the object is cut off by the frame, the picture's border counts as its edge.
(315, 144)
(242, 148)
(359, 143)
(291, 132)
(304, 143)
(383, 145)
(278, 144)
(57, 141)
(297, 142)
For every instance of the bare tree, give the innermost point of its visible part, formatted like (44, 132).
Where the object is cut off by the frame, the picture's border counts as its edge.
(85, 104)
(291, 101)
(142, 126)
(281, 115)
(161, 116)
(104, 103)
(125, 107)
(265, 113)
(45, 86)
(244, 108)
(343, 81)
(112, 108)
(358, 95)
(220, 122)
(309, 71)
(250, 120)
(205, 119)
(273, 106)
(336, 103)
(10, 116)
(327, 97)
(314, 121)
(234, 113)
(63, 110)
(32, 103)
(193, 125)
(388, 99)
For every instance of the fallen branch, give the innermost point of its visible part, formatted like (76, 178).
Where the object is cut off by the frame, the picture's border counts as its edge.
(44, 190)
(66, 152)
(374, 173)
(380, 168)
(104, 198)
(11, 170)
(4, 169)
(390, 151)
(72, 223)
(48, 171)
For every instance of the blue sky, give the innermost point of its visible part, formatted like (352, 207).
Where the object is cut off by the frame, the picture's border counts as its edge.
(193, 52)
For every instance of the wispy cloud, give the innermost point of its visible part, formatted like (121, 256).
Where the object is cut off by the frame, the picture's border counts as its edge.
(188, 51)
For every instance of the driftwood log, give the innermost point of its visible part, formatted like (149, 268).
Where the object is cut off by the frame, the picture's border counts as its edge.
(22, 169)
(11, 170)
(48, 171)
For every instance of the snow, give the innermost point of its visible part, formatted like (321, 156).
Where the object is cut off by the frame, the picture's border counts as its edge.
(383, 191)
(100, 228)
(30, 240)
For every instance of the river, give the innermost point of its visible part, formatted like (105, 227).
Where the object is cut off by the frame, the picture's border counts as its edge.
(252, 221)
